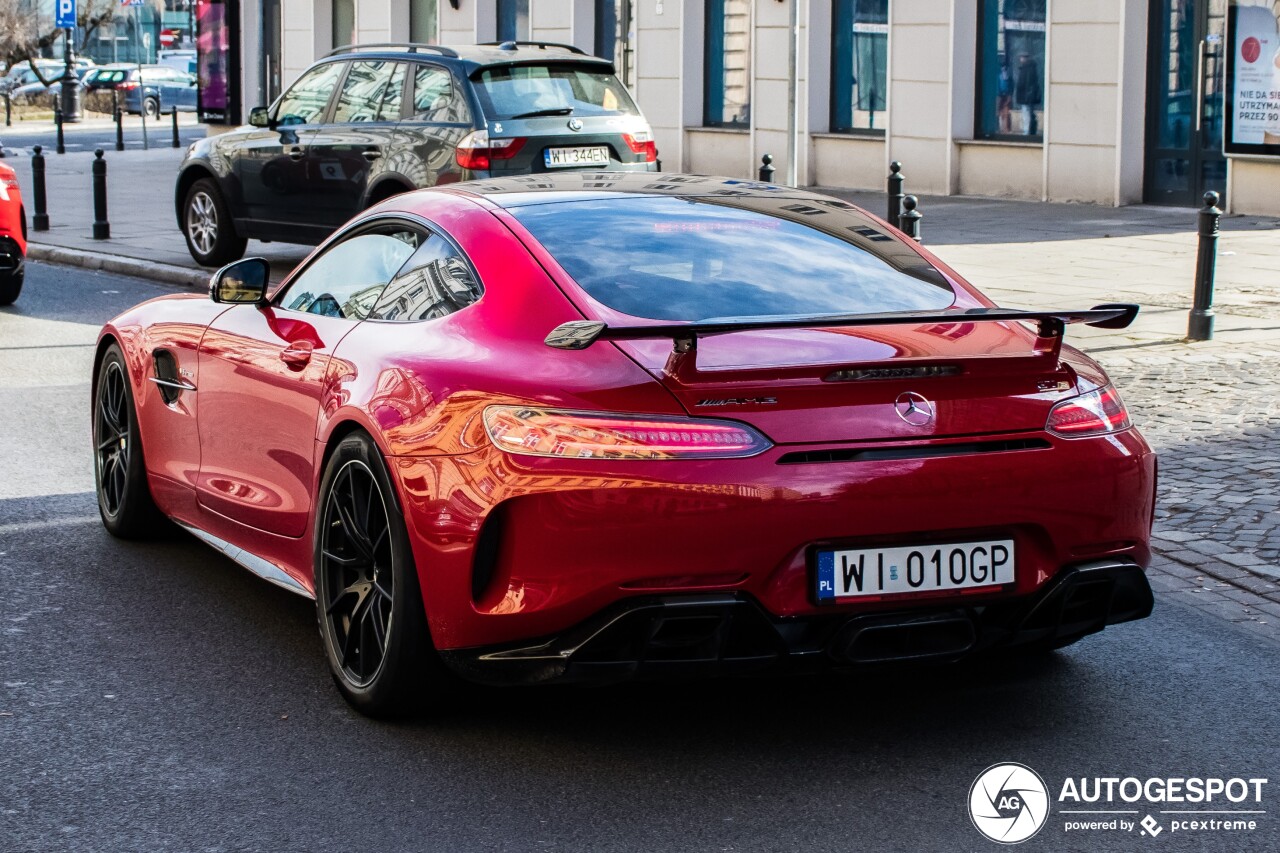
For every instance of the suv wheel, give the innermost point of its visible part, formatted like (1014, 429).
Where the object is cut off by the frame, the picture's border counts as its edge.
(206, 223)
(151, 107)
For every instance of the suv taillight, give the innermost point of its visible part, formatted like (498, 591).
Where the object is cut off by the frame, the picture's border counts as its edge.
(476, 150)
(642, 143)
(1097, 413)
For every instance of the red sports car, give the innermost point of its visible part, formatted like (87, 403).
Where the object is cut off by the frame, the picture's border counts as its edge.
(13, 236)
(590, 426)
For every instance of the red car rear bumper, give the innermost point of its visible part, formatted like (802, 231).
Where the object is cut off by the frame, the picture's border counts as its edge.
(534, 548)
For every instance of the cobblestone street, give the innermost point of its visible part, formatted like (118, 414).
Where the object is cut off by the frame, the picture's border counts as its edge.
(1213, 414)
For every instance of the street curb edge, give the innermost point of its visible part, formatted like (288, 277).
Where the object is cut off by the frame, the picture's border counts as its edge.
(165, 273)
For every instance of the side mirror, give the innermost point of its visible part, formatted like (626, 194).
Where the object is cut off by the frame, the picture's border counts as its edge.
(260, 117)
(241, 283)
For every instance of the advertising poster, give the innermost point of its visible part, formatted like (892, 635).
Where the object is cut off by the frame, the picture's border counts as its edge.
(1253, 71)
(217, 62)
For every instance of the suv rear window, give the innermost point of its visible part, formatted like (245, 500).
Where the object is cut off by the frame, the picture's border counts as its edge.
(528, 90)
(670, 258)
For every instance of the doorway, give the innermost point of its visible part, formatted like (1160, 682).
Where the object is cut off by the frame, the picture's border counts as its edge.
(1185, 73)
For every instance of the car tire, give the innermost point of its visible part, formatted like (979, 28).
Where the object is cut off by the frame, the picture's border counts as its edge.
(120, 472)
(11, 286)
(206, 223)
(151, 108)
(368, 601)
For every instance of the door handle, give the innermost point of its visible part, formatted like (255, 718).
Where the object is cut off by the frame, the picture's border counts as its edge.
(371, 154)
(1199, 104)
(297, 354)
(295, 154)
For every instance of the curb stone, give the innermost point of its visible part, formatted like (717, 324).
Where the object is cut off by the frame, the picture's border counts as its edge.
(152, 270)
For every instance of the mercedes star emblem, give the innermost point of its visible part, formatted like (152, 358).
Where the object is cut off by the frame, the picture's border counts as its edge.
(913, 408)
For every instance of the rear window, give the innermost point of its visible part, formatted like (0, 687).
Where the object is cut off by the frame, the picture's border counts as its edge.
(669, 258)
(531, 90)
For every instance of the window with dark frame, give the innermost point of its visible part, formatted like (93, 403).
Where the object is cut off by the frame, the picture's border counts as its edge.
(513, 20)
(727, 64)
(859, 65)
(423, 21)
(1011, 70)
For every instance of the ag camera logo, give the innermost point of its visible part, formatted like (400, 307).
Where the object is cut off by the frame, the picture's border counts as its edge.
(1008, 803)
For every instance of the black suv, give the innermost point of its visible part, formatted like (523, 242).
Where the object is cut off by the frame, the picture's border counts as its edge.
(370, 121)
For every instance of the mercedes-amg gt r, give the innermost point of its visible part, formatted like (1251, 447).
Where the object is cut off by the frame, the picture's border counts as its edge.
(591, 426)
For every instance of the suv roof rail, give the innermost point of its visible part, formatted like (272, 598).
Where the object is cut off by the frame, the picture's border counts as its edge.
(412, 47)
(545, 45)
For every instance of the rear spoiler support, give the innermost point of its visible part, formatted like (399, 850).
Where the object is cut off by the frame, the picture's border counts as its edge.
(1050, 327)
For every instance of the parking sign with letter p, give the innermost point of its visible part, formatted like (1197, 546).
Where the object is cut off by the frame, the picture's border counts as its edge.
(66, 15)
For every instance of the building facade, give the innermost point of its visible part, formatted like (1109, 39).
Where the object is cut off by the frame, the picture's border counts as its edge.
(1103, 101)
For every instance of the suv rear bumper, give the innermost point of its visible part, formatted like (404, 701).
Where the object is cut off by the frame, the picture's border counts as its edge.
(730, 634)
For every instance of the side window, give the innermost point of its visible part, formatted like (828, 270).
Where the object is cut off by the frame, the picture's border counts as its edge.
(348, 278)
(306, 100)
(435, 99)
(363, 91)
(390, 110)
(435, 282)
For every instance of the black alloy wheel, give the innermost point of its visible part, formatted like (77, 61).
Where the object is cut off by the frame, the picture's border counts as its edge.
(368, 601)
(124, 498)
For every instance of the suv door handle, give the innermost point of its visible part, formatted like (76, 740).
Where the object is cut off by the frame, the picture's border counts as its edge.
(371, 154)
(295, 154)
(297, 354)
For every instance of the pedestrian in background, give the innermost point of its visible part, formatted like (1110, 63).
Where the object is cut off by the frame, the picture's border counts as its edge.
(1028, 92)
(1004, 98)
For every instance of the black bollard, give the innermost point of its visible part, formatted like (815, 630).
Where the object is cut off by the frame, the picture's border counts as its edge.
(909, 221)
(174, 114)
(766, 168)
(1200, 322)
(39, 221)
(101, 227)
(895, 192)
(119, 117)
(8, 107)
(57, 119)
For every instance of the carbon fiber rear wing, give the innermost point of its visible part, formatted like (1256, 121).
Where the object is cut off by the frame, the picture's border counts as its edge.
(1051, 325)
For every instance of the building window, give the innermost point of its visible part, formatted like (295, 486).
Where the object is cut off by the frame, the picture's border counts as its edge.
(1011, 69)
(859, 65)
(727, 96)
(613, 36)
(344, 22)
(422, 21)
(513, 20)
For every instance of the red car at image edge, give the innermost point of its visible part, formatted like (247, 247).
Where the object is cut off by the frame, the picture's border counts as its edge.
(13, 236)
(593, 426)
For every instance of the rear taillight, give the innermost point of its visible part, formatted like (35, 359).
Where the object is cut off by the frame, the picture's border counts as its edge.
(128, 84)
(642, 143)
(476, 151)
(7, 184)
(529, 431)
(1096, 413)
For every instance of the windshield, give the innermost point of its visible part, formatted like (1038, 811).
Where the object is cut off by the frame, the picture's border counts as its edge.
(670, 258)
(528, 90)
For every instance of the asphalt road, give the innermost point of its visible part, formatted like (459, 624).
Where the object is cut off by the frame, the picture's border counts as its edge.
(19, 139)
(156, 697)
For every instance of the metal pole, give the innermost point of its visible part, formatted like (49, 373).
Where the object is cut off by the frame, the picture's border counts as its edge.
(793, 96)
(767, 169)
(101, 227)
(8, 117)
(57, 120)
(909, 221)
(119, 116)
(40, 221)
(177, 143)
(1200, 322)
(895, 192)
(69, 91)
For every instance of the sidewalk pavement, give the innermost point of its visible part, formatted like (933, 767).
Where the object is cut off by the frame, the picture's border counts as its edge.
(1211, 409)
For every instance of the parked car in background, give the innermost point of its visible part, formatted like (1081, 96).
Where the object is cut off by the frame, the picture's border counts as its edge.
(151, 89)
(22, 76)
(13, 236)
(180, 59)
(367, 123)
